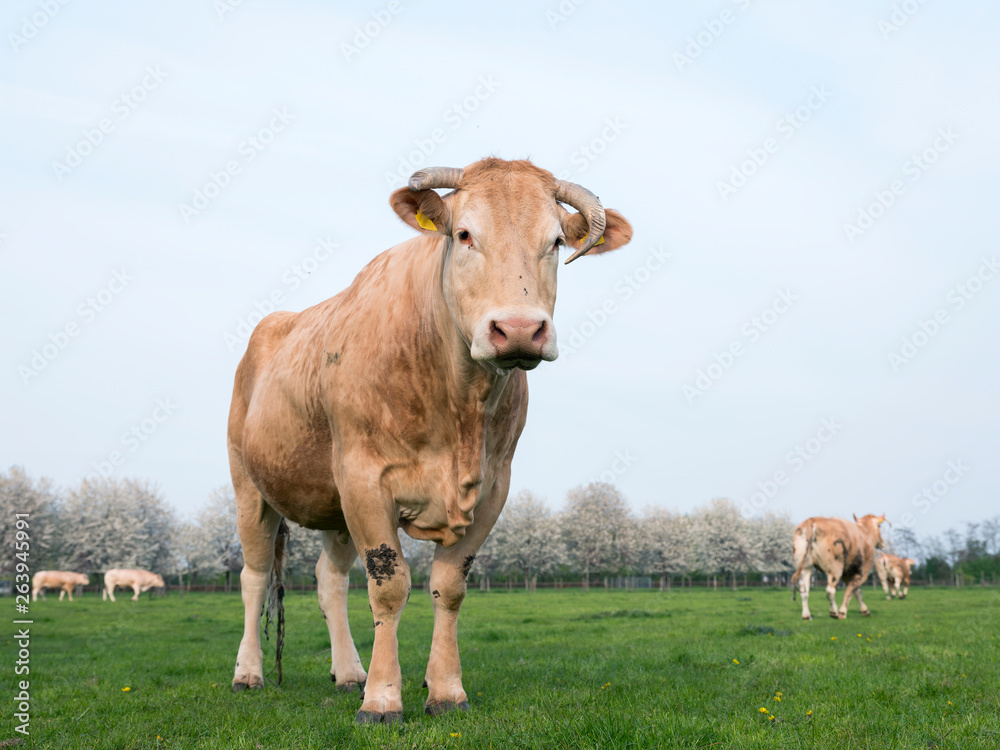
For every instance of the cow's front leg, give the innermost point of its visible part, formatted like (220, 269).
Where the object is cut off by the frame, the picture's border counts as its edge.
(136, 589)
(62, 593)
(448, 573)
(332, 570)
(859, 584)
(444, 669)
(375, 536)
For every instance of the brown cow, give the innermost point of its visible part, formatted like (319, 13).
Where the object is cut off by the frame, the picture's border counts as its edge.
(57, 579)
(843, 550)
(398, 404)
(894, 573)
(138, 580)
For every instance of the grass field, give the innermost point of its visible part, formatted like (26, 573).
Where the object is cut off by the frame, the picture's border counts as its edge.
(553, 669)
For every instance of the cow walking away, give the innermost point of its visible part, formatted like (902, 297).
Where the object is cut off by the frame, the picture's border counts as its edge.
(894, 573)
(137, 580)
(843, 550)
(63, 580)
(398, 404)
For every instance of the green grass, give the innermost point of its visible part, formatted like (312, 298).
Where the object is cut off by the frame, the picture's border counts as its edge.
(551, 669)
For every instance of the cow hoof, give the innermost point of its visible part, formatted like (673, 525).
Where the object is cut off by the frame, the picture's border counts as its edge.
(807, 618)
(866, 613)
(835, 615)
(842, 616)
(442, 707)
(239, 687)
(374, 717)
(351, 687)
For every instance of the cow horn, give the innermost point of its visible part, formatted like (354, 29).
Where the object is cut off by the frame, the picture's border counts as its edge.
(436, 177)
(587, 204)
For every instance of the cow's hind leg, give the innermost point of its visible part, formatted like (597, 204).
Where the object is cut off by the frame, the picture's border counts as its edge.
(136, 590)
(109, 592)
(257, 523)
(805, 579)
(332, 570)
(832, 579)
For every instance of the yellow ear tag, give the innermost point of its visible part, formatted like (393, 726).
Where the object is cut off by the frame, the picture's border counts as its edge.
(599, 242)
(425, 223)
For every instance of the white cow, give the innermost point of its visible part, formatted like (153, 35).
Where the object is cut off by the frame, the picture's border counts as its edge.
(57, 579)
(138, 580)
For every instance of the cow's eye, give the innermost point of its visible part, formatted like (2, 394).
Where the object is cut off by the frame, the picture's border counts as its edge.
(557, 244)
(464, 237)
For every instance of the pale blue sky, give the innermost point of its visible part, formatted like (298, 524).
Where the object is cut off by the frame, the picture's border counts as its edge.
(510, 81)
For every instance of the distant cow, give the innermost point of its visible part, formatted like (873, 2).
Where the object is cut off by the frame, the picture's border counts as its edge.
(138, 580)
(894, 573)
(57, 579)
(843, 550)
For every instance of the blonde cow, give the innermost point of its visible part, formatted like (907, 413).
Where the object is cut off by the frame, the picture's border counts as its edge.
(57, 579)
(397, 404)
(843, 550)
(137, 580)
(894, 573)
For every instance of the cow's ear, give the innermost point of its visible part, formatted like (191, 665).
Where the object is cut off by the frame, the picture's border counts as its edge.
(855, 517)
(617, 231)
(423, 210)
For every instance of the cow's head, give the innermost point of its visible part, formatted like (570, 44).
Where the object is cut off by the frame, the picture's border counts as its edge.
(872, 525)
(83, 579)
(158, 581)
(503, 225)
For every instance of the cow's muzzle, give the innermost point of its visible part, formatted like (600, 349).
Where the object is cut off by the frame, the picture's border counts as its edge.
(520, 340)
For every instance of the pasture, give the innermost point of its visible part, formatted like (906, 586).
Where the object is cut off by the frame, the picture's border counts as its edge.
(553, 669)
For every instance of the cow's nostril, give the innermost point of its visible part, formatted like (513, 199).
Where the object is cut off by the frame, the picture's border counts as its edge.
(539, 336)
(497, 333)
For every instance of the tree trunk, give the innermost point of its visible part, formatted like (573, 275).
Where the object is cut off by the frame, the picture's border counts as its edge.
(527, 582)
(586, 579)
(661, 581)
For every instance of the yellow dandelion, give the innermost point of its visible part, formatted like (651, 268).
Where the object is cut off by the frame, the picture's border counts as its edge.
(859, 635)
(126, 689)
(771, 717)
(736, 661)
(809, 712)
(778, 692)
(950, 703)
(456, 734)
(762, 709)
(478, 693)
(868, 639)
(215, 684)
(833, 637)
(778, 698)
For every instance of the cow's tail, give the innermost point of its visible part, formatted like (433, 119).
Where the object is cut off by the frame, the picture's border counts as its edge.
(276, 595)
(810, 538)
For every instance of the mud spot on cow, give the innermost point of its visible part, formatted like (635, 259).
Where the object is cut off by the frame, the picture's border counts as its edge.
(467, 565)
(381, 563)
(436, 594)
(332, 359)
(377, 623)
